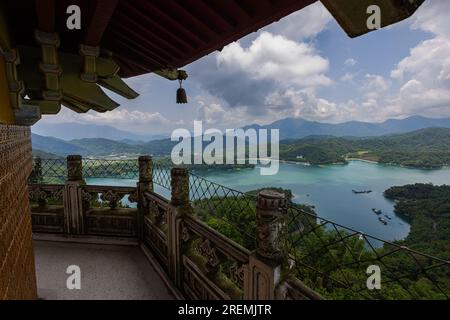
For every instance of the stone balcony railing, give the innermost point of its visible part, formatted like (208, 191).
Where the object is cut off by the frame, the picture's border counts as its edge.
(199, 261)
(212, 242)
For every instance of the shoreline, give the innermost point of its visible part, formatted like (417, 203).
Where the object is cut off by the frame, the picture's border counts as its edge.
(366, 161)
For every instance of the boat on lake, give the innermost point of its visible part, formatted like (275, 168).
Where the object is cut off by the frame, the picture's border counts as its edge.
(377, 211)
(382, 221)
(362, 192)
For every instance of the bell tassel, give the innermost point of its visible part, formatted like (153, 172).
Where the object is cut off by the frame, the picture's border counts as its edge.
(181, 94)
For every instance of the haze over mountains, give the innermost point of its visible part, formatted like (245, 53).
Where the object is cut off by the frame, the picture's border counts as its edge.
(425, 148)
(316, 142)
(290, 128)
(298, 128)
(98, 147)
(108, 141)
(73, 131)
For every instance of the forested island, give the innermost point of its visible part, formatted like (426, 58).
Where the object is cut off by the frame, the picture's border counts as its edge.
(427, 209)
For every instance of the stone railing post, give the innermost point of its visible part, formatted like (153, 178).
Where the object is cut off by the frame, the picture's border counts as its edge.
(180, 187)
(145, 184)
(73, 201)
(266, 262)
(179, 207)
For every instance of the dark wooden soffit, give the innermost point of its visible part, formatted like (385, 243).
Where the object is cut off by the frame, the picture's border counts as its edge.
(149, 35)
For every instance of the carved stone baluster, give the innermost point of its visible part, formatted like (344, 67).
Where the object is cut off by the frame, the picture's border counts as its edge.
(211, 255)
(237, 274)
(144, 185)
(271, 217)
(73, 198)
(39, 196)
(180, 187)
(112, 197)
(75, 168)
(87, 199)
(160, 215)
(266, 262)
(179, 207)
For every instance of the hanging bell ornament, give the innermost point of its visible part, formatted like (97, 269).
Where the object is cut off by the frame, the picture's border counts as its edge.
(181, 94)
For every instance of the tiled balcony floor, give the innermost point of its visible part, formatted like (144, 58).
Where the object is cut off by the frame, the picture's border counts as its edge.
(107, 272)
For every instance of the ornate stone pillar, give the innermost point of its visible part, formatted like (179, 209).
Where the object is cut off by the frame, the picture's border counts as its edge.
(146, 169)
(179, 207)
(266, 262)
(271, 213)
(73, 200)
(180, 186)
(74, 168)
(144, 185)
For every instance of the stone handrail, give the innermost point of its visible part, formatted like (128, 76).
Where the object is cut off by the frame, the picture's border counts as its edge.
(200, 261)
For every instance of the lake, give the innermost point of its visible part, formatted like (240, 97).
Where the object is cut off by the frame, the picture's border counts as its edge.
(329, 189)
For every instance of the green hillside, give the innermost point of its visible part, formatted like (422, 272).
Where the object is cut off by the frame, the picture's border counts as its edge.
(427, 148)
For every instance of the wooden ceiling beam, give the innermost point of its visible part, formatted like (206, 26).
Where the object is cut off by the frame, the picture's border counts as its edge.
(171, 36)
(124, 39)
(157, 39)
(175, 25)
(46, 17)
(101, 16)
(194, 21)
(156, 51)
(223, 24)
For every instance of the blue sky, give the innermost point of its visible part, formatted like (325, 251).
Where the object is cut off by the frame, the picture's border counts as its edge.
(304, 66)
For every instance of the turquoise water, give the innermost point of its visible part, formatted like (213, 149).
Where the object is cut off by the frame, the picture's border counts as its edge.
(329, 189)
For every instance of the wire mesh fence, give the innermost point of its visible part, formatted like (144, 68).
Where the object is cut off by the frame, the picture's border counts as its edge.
(231, 212)
(117, 169)
(48, 171)
(338, 262)
(162, 175)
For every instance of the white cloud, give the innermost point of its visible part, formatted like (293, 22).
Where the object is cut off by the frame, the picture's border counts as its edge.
(375, 84)
(433, 17)
(126, 116)
(120, 116)
(302, 24)
(350, 62)
(261, 82)
(299, 104)
(277, 58)
(424, 75)
(429, 60)
(348, 77)
(215, 114)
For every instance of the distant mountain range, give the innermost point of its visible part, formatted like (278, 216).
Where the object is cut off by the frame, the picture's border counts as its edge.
(425, 148)
(291, 128)
(74, 131)
(99, 147)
